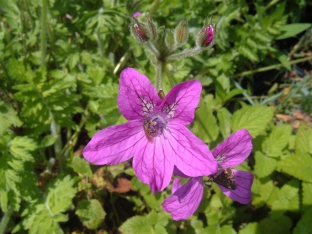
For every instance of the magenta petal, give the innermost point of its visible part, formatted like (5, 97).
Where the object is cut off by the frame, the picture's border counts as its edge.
(181, 101)
(137, 96)
(242, 193)
(177, 172)
(136, 14)
(234, 150)
(114, 144)
(153, 163)
(176, 184)
(185, 201)
(192, 156)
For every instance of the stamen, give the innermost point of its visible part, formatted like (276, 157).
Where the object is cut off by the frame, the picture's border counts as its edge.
(155, 126)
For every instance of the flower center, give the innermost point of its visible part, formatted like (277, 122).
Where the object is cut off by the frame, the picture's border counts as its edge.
(154, 126)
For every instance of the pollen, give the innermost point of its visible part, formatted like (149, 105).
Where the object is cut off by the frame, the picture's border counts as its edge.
(155, 126)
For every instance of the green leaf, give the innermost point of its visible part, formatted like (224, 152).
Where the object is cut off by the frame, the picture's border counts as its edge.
(303, 142)
(28, 186)
(281, 224)
(163, 218)
(136, 225)
(250, 228)
(248, 52)
(264, 190)
(40, 221)
(48, 140)
(81, 166)
(153, 200)
(8, 117)
(227, 229)
(20, 147)
(298, 165)
(90, 213)
(304, 225)
(232, 93)
(264, 165)
(288, 199)
(205, 124)
(277, 140)
(3, 200)
(152, 218)
(224, 82)
(96, 73)
(57, 200)
(252, 118)
(224, 118)
(306, 194)
(291, 30)
(282, 58)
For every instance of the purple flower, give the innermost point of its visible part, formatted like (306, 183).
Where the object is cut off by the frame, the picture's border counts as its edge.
(155, 136)
(136, 14)
(236, 184)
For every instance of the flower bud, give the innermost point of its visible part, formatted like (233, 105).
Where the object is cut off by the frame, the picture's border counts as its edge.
(136, 14)
(206, 36)
(161, 40)
(152, 28)
(181, 32)
(139, 30)
(169, 39)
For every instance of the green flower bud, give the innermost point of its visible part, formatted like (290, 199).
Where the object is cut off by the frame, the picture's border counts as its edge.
(152, 28)
(181, 32)
(169, 39)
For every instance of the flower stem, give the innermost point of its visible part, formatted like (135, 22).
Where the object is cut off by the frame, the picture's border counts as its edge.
(73, 139)
(183, 54)
(151, 47)
(55, 131)
(170, 78)
(5, 219)
(43, 31)
(158, 79)
(272, 67)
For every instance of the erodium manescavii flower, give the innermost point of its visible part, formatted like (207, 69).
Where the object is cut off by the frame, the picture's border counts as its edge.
(233, 183)
(155, 134)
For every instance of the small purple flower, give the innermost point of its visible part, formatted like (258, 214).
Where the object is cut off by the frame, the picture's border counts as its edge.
(136, 14)
(233, 151)
(155, 136)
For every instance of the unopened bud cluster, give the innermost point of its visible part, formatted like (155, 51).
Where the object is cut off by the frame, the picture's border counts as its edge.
(163, 42)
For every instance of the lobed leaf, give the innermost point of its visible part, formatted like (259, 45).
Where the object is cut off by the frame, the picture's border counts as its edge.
(90, 213)
(298, 165)
(8, 117)
(264, 164)
(205, 124)
(59, 195)
(277, 140)
(252, 118)
(303, 143)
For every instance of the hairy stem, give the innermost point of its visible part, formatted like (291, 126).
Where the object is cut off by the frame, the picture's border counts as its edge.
(183, 54)
(73, 139)
(5, 219)
(170, 78)
(158, 79)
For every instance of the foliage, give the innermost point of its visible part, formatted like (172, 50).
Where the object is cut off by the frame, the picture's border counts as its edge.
(60, 63)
